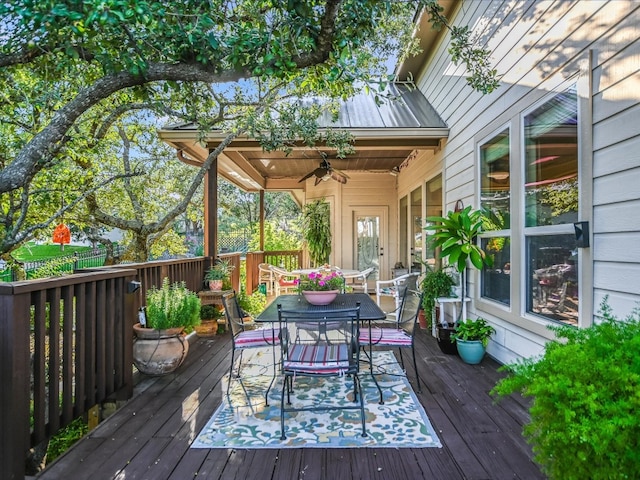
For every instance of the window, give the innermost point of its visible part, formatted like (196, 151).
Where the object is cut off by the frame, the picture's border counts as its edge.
(542, 192)
(495, 199)
(404, 230)
(551, 207)
(416, 230)
(551, 161)
(434, 209)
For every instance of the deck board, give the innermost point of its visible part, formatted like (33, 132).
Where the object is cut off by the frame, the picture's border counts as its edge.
(149, 437)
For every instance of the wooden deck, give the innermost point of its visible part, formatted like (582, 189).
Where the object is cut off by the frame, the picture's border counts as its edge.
(149, 437)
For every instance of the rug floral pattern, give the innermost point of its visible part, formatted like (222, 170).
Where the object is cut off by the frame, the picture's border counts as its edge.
(243, 420)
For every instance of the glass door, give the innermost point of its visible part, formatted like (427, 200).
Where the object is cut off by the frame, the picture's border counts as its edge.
(370, 241)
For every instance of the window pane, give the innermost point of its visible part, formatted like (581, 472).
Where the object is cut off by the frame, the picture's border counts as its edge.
(404, 233)
(416, 237)
(434, 209)
(495, 184)
(553, 277)
(551, 161)
(496, 281)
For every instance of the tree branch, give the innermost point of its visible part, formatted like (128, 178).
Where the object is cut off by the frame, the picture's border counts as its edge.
(18, 236)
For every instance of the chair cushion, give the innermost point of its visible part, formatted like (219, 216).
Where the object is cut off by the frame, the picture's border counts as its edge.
(388, 291)
(285, 283)
(385, 336)
(320, 359)
(257, 338)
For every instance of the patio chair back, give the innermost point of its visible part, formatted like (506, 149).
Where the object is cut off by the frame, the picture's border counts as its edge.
(242, 338)
(285, 281)
(401, 335)
(266, 276)
(359, 281)
(333, 354)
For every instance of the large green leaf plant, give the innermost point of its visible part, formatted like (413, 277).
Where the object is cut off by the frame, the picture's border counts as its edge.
(456, 235)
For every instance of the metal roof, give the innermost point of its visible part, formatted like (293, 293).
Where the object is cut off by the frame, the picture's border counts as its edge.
(385, 135)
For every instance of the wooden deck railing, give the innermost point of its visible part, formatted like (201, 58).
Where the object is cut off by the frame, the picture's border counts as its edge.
(289, 259)
(65, 344)
(65, 347)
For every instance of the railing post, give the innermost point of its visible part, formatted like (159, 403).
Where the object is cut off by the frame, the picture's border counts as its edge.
(15, 381)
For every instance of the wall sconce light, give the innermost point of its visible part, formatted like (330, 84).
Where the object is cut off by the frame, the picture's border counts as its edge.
(394, 171)
(133, 286)
(582, 234)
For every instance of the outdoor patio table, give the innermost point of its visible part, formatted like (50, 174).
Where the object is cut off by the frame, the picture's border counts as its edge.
(369, 312)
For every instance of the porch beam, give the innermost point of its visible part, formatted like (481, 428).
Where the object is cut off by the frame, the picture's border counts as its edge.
(211, 211)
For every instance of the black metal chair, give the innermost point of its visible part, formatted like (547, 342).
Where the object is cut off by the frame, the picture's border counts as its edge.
(242, 339)
(398, 334)
(333, 354)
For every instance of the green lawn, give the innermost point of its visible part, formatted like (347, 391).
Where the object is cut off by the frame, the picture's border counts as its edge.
(32, 252)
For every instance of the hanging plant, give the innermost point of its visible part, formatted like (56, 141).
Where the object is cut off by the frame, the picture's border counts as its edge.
(317, 230)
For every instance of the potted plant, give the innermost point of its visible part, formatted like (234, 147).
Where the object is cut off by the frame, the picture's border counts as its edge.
(209, 316)
(321, 288)
(456, 235)
(434, 284)
(217, 274)
(161, 346)
(472, 338)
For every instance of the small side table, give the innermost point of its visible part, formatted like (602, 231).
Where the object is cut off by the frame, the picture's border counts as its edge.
(453, 301)
(212, 297)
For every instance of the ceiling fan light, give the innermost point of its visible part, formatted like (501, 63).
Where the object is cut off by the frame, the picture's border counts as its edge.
(500, 176)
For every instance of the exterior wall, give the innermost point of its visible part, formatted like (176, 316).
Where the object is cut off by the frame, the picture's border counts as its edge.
(361, 190)
(536, 46)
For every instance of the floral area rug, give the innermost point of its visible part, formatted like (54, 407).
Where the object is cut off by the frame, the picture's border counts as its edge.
(243, 420)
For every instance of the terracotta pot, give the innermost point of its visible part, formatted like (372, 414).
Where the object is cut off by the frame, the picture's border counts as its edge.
(422, 319)
(158, 352)
(215, 285)
(207, 328)
(320, 297)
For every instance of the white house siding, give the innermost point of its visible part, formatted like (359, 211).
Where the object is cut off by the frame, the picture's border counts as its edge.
(536, 46)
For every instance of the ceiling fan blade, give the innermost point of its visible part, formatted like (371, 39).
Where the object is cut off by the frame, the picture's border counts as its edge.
(339, 172)
(339, 177)
(318, 180)
(308, 175)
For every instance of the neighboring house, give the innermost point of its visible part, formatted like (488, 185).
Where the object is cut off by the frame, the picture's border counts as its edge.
(553, 152)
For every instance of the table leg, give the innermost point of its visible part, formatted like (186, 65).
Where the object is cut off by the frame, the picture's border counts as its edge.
(373, 375)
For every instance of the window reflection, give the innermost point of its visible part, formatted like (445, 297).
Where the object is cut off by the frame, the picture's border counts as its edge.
(496, 281)
(495, 181)
(553, 277)
(551, 161)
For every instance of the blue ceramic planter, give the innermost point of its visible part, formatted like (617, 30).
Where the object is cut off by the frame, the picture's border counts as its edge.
(471, 352)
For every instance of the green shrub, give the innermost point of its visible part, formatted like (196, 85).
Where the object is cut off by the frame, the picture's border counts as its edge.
(172, 305)
(210, 312)
(65, 438)
(585, 420)
(252, 304)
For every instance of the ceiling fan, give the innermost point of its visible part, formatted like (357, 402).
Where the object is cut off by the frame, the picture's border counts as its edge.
(324, 172)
